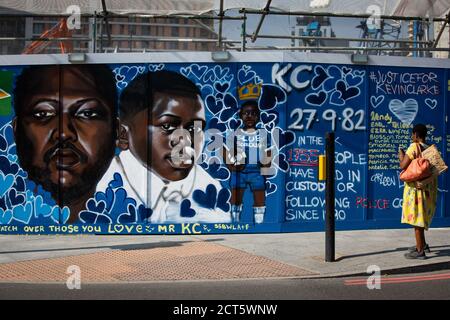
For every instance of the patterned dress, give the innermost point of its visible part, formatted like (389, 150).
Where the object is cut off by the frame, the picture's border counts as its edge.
(418, 205)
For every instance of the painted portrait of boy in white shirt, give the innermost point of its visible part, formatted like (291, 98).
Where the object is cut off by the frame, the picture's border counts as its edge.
(162, 122)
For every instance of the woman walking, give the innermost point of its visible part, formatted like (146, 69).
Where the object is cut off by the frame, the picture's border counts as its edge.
(419, 198)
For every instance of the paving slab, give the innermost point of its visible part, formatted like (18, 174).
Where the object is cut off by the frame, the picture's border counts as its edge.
(196, 260)
(355, 250)
(203, 257)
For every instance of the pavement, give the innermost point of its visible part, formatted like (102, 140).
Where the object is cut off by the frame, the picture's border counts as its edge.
(155, 258)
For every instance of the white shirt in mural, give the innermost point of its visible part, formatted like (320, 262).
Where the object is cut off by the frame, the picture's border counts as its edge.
(166, 199)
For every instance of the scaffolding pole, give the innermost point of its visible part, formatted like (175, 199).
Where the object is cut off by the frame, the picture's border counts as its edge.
(428, 44)
(265, 11)
(221, 14)
(244, 31)
(336, 15)
(94, 43)
(441, 31)
(347, 49)
(106, 22)
(116, 15)
(338, 38)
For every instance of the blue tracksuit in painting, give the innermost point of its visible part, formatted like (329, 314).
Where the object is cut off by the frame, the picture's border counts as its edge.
(249, 149)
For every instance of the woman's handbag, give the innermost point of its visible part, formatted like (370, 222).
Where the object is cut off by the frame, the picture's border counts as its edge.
(438, 165)
(418, 169)
(432, 154)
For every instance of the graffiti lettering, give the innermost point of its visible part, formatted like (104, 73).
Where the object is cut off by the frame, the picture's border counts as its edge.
(91, 229)
(314, 202)
(342, 203)
(347, 118)
(395, 83)
(299, 113)
(277, 76)
(187, 228)
(311, 140)
(345, 187)
(57, 229)
(7, 229)
(351, 175)
(385, 181)
(305, 186)
(339, 215)
(308, 215)
(301, 173)
(292, 214)
(397, 203)
(304, 202)
(362, 202)
(233, 227)
(166, 228)
(34, 229)
(347, 157)
(303, 157)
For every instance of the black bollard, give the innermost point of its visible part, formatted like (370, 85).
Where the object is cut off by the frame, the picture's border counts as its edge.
(329, 199)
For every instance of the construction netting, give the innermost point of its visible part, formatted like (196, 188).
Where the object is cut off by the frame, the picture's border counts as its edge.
(409, 8)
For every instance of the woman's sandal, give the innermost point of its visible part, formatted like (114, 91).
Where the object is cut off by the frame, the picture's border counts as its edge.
(425, 249)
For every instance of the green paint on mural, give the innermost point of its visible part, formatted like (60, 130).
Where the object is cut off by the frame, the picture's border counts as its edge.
(6, 80)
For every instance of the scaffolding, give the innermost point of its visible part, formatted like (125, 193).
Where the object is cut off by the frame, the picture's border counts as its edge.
(384, 39)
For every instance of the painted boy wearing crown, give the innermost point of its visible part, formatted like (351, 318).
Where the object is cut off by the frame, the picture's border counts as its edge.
(248, 156)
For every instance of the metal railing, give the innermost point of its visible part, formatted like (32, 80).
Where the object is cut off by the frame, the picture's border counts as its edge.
(98, 34)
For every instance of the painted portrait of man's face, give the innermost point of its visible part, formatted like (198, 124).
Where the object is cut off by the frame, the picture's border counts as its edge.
(65, 130)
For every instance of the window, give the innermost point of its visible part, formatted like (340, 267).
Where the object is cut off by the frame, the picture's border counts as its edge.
(204, 33)
(145, 30)
(38, 28)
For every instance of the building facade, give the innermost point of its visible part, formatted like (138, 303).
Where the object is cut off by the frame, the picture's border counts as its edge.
(131, 34)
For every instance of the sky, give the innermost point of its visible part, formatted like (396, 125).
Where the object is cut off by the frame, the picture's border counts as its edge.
(283, 25)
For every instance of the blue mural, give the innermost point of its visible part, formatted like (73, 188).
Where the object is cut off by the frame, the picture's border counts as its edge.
(209, 148)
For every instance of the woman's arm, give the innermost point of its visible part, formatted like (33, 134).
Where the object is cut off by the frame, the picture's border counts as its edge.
(404, 159)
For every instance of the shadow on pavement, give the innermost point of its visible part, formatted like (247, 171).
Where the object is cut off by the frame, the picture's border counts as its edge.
(434, 250)
(124, 247)
(139, 246)
(441, 253)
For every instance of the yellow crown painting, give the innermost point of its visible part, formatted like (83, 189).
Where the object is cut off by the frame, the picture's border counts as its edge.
(249, 91)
